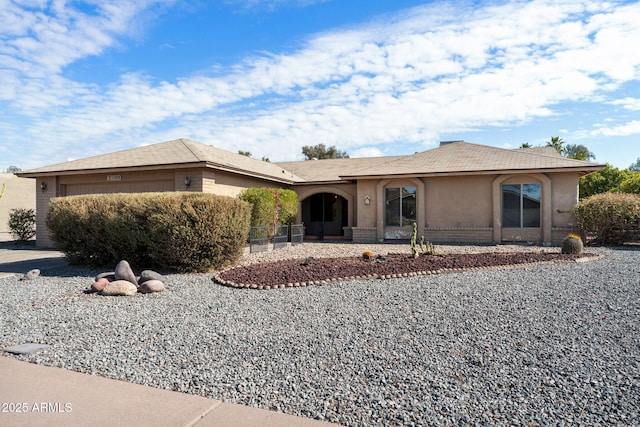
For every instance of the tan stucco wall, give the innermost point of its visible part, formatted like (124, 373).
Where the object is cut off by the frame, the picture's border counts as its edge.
(468, 208)
(228, 184)
(565, 197)
(20, 193)
(459, 201)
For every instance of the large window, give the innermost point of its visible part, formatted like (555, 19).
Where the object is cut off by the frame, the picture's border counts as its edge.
(521, 205)
(400, 206)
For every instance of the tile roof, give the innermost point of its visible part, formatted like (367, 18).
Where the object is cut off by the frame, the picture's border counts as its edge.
(457, 157)
(331, 170)
(466, 158)
(171, 153)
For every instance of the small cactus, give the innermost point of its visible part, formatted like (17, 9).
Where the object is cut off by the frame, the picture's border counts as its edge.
(424, 246)
(572, 244)
(368, 255)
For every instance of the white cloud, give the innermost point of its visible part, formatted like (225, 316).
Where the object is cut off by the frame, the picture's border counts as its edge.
(407, 79)
(626, 129)
(629, 103)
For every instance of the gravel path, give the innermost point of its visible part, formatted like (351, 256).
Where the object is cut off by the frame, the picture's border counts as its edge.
(537, 345)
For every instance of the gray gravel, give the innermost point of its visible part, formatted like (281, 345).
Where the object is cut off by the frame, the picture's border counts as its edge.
(541, 345)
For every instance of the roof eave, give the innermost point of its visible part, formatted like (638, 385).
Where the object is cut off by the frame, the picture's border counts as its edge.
(581, 170)
(36, 174)
(253, 174)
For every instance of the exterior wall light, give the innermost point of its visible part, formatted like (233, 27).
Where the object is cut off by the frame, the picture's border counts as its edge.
(367, 200)
(187, 181)
(43, 186)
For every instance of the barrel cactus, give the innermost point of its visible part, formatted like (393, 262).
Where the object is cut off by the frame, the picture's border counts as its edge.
(572, 244)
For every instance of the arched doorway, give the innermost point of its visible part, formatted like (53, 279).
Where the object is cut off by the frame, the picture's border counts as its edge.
(324, 215)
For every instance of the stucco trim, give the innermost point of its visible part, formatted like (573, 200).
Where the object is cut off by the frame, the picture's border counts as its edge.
(420, 215)
(546, 203)
(304, 194)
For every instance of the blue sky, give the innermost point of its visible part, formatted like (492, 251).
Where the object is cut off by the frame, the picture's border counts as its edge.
(372, 77)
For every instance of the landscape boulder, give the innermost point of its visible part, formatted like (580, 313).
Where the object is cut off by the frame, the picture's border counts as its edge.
(119, 288)
(99, 284)
(123, 271)
(109, 275)
(149, 275)
(150, 286)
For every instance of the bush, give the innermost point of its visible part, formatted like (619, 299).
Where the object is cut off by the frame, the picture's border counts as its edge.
(612, 218)
(185, 232)
(22, 223)
(271, 206)
(631, 184)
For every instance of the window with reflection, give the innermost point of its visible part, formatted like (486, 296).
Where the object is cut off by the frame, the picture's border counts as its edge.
(521, 205)
(400, 206)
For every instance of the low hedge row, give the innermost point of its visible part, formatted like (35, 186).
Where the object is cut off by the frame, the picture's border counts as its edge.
(182, 232)
(611, 218)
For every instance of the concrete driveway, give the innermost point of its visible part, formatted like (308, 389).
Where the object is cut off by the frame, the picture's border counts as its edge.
(19, 260)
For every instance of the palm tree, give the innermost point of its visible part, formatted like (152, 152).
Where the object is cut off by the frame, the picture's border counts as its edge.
(556, 142)
(525, 145)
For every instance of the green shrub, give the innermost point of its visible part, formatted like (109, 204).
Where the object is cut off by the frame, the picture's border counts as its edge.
(22, 223)
(186, 232)
(271, 206)
(631, 184)
(612, 218)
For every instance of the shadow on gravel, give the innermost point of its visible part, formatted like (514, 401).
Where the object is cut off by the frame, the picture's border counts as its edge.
(49, 267)
(626, 247)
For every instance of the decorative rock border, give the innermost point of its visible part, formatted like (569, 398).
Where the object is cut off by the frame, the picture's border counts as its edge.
(231, 284)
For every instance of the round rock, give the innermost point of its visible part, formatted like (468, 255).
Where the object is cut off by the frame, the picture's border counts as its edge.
(150, 275)
(150, 286)
(119, 288)
(99, 284)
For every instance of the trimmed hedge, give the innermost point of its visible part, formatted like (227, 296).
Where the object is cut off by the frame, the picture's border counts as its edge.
(613, 218)
(184, 232)
(271, 206)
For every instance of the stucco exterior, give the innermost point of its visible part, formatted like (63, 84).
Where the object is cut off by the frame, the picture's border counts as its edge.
(20, 193)
(454, 194)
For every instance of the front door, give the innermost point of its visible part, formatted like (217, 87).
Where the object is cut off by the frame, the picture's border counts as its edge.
(324, 215)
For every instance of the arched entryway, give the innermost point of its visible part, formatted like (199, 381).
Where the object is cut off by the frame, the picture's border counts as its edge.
(324, 216)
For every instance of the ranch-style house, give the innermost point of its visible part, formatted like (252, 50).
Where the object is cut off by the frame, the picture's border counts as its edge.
(458, 192)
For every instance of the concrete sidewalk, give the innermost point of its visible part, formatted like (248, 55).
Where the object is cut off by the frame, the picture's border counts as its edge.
(35, 395)
(19, 261)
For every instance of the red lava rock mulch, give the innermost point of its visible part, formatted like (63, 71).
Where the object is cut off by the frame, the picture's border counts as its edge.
(303, 272)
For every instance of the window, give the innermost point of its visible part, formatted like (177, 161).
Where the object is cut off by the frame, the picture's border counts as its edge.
(521, 205)
(400, 206)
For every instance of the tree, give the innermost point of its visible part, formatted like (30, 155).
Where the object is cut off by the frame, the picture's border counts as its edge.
(606, 180)
(526, 145)
(631, 184)
(635, 167)
(578, 152)
(13, 169)
(556, 142)
(321, 152)
(244, 153)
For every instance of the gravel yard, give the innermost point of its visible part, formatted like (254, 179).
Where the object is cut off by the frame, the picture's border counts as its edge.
(537, 345)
